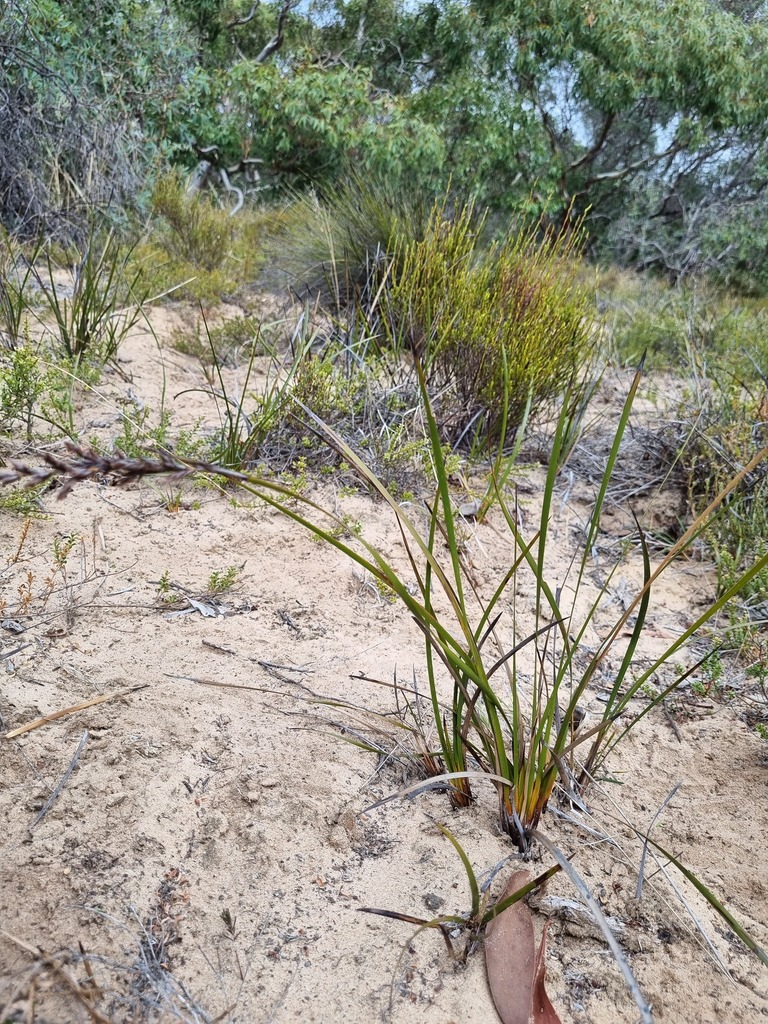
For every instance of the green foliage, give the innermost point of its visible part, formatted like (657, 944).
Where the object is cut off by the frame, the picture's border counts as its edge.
(720, 420)
(333, 375)
(691, 322)
(327, 392)
(531, 108)
(495, 330)
(519, 729)
(30, 390)
(21, 383)
(728, 428)
(222, 580)
(22, 501)
(224, 343)
(16, 279)
(195, 249)
(337, 241)
(91, 92)
(139, 434)
(312, 121)
(165, 588)
(199, 232)
(511, 716)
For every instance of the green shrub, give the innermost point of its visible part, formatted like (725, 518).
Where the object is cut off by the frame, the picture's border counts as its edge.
(196, 250)
(21, 383)
(731, 426)
(491, 329)
(198, 231)
(692, 321)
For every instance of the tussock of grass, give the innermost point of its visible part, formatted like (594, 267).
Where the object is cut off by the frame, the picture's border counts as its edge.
(337, 242)
(694, 322)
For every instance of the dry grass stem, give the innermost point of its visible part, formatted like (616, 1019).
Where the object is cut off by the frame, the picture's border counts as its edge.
(82, 706)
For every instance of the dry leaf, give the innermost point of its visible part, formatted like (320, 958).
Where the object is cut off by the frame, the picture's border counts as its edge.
(509, 956)
(515, 970)
(542, 1009)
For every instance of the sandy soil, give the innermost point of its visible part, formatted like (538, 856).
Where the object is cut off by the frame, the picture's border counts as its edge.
(218, 788)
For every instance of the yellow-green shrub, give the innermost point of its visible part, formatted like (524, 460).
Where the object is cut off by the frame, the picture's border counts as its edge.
(201, 244)
(490, 328)
(199, 232)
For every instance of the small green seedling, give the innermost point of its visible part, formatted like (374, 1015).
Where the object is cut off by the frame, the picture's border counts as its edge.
(222, 580)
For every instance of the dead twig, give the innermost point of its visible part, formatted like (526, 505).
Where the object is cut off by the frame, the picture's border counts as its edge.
(218, 647)
(63, 780)
(84, 996)
(71, 710)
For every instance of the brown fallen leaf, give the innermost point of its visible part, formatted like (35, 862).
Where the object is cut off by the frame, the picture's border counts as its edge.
(515, 970)
(509, 956)
(542, 1008)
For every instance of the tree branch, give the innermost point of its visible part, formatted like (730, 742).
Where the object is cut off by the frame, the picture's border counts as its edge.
(590, 155)
(232, 188)
(277, 39)
(596, 179)
(244, 21)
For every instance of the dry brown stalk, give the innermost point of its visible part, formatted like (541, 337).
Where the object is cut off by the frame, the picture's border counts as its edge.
(45, 719)
(57, 966)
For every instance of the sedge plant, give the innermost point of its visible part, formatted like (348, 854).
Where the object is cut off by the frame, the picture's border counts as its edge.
(16, 278)
(87, 319)
(516, 727)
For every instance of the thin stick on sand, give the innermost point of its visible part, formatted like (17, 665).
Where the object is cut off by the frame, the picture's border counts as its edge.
(63, 780)
(71, 710)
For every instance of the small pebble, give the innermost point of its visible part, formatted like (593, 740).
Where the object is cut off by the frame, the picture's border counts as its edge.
(433, 902)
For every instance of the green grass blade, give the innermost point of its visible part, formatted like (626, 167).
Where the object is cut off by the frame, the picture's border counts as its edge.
(638, 627)
(713, 901)
(522, 892)
(474, 888)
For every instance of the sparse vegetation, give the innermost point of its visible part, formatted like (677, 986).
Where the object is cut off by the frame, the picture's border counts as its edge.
(431, 181)
(522, 736)
(196, 249)
(222, 580)
(92, 306)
